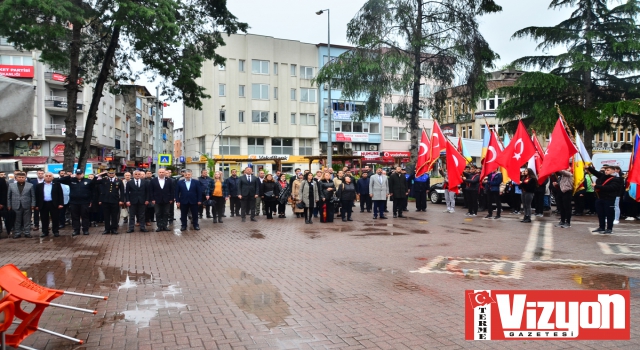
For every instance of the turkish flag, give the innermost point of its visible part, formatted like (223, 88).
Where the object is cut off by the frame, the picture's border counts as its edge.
(493, 151)
(559, 150)
(424, 154)
(519, 151)
(537, 144)
(455, 166)
(437, 140)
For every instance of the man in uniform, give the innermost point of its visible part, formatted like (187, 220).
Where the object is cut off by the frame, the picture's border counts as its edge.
(111, 199)
(80, 194)
(419, 189)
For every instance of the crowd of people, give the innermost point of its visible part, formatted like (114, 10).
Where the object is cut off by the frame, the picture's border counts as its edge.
(138, 199)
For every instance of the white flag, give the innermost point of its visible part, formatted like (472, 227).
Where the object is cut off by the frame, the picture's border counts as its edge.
(583, 151)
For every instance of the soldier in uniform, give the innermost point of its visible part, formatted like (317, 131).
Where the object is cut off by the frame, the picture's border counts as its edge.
(80, 195)
(111, 199)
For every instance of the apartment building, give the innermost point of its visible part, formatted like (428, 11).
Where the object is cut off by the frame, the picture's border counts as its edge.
(178, 143)
(138, 106)
(166, 132)
(50, 108)
(263, 106)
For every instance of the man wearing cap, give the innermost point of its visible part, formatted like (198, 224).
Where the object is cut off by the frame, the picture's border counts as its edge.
(111, 199)
(81, 192)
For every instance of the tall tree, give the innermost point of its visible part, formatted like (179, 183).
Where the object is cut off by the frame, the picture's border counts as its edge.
(102, 38)
(595, 82)
(400, 44)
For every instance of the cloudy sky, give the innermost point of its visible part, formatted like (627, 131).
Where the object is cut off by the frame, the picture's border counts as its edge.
(296, 20)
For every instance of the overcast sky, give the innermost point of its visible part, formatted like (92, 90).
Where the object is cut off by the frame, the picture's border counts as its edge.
(296, 20)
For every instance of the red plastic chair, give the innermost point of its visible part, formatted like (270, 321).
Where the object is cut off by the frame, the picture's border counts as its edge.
(19, 289)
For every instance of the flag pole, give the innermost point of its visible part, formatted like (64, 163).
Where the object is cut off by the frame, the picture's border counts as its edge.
(566, 125)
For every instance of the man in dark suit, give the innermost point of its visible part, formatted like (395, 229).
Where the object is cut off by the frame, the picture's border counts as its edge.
(111, 199)
(161, 193)
(248, 190)
(49, 199)
(3, 203)
(137, 197)
(188, 198)
(36, 213)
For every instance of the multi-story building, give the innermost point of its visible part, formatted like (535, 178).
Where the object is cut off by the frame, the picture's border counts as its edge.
(349, 136)
(138, 107)
(167, 136)
(178, 138)
(50, 109)
(263, 106)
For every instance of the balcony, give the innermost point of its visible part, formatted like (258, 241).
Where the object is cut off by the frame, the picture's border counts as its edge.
(118, 134)
(58, 104)
(54, 130)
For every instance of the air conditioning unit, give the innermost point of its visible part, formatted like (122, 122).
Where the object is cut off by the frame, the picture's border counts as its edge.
(616, 145)
(606, 144)
(373, 147)
(326, 111)
(348, 145)
(325, 86)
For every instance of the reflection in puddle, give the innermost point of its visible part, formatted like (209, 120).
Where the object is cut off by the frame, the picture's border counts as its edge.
(603, 281)
(148, 308)
(258, 297)
(384, 233)
(127, 284)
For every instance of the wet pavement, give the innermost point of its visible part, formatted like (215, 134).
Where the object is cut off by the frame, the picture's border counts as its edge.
(282, 284)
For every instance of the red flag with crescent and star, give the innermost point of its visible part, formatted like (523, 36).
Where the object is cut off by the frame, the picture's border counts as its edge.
(455, 166)
(424, 155)
(437, 140)
(493, 151)
(559, 150)
(518, 153)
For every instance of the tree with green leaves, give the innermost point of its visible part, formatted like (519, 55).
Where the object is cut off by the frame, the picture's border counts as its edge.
(595, 82)
(401, 44)
(99, 40)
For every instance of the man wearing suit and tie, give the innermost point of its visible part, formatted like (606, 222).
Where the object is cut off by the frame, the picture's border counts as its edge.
(248, 190)
(379, 191)
(49, 200)
(137, 197)
(188, 198)
(161, 195)
(21, 198)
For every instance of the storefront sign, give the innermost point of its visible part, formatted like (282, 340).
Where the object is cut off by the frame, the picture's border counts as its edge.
(131, 163)
(58, 77)
(342, 115)
(63, 104)
(448, 130)
(391, 156)
(58, 149)
(485, 114)
(253, 157)
(27, 148)
(16, 71)
(351, 137)
(367, 154)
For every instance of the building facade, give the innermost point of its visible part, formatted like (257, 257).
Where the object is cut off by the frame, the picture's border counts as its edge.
(167, 145)
(138, 108)
(263, 106)
(178, 143)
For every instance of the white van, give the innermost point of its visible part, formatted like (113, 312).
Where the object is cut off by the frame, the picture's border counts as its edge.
(619, 159)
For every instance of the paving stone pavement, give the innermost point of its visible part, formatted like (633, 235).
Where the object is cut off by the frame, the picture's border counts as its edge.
(281, 284)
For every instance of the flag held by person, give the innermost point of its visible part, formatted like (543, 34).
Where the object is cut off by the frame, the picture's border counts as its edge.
(583, 150)
(463, 150)
(424, 155)
(633, 177)
(519, 151)
(559, 150)
(493, 152)
(437, 145)
(455, 166)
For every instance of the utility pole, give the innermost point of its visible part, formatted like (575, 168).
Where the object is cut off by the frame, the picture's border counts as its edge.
(157, 128)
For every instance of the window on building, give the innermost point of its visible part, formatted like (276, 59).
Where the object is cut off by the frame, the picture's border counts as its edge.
(259, 67)
(293, 94)
(221, 67)
(388, 108)
(357, 127)
(337, 126)
(307, 119)
(294, 68)
(614, 136)
(281, 146)
(222, 89)
(229, 145)
(346, 126)
(275, 118)
(308, 95)
(306, 72)
(470, 132)
(139, 103)
(111, 132)
(621, 132)
(241, 116)
(104, 130)
(374, 128)
(241, 91)
(260, 91)
(259, 116)
(4, 42)
(629, 139)
(396, 133)
(138, 118)
(241, 65)
(275, 93)
(223, 115)
(275, 68)
(256, 145)
(464, 132)
(305, 147)
(16, 60)
(293, 118)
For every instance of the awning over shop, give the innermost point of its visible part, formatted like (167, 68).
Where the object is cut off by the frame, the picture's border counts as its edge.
(60, 159)
(30, 161)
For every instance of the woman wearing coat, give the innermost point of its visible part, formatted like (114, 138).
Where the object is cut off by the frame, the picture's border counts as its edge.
(295, 191)
(347, 194)
(309, 195)
(327, 188)
(269, 191)
(284, 187)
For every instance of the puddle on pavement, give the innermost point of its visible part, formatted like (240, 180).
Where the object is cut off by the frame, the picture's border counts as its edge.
(602, 281)
(421, 232)
(258, 297)
(256, 234)
(384, 233)
(382, 225)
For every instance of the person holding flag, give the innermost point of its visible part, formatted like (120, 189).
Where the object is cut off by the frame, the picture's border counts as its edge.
(607, 188)
(424, 155)
(564, 187)
(493, 181)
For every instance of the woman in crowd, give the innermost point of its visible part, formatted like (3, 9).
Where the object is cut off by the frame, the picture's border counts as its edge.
(326, 188)
(295, 191)
(528, 185)
(218, 194)
(269, 192)
(282, 200)
(317, 178)
(347, 194)
(308, 194)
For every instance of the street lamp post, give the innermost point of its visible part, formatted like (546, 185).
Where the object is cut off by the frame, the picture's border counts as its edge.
(330, 131)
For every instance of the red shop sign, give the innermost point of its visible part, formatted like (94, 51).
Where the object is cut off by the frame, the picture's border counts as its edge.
(16, 71)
